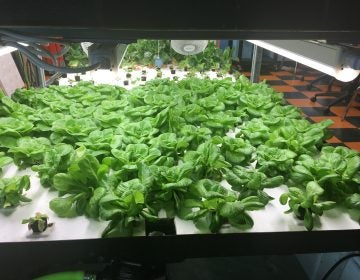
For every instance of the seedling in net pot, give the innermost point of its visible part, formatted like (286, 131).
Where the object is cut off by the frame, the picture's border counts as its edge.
(39, 223)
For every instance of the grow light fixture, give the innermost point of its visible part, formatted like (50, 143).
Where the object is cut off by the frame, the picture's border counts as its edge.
(328, 59)
(189, 47)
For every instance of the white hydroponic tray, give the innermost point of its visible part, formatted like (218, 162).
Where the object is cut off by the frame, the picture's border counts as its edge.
(117, 78)
(270, 219)
(11, 229)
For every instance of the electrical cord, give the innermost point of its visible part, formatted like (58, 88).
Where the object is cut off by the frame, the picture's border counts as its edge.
(43, 52)
(41, 64)
(64, 50)
(335, 265)
(15, 37)
(38, 49)
(32, 50)
(26, 39)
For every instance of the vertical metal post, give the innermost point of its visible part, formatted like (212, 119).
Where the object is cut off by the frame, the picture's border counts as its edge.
(235, 49)
(256, 64)
(295, 69)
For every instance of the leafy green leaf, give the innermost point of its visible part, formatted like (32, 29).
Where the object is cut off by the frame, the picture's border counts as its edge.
(313, 188)
(353, 201)
(231, 209)
(284, 198)
(64, 207)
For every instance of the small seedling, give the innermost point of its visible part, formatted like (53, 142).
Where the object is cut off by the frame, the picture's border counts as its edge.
(39, 223)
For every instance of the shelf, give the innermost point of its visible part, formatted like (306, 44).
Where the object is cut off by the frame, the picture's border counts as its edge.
(78, 239)
(273, 233)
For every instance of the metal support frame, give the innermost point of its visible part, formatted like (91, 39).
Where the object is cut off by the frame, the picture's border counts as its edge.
(256, 64)
(41, 77)
(235, 49)
(53, 78)
(168, 248)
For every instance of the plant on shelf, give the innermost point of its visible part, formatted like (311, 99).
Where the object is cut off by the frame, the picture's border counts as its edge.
(211, 206)
(306, 204)
(204, 150)
(211, 58)
(145, 52)
(76, 57)
(4, 160)
(11, 191)
(336, 170)
(39, 223)
(252, 182)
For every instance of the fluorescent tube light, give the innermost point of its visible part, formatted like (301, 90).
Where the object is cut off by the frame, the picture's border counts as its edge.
(304, 52)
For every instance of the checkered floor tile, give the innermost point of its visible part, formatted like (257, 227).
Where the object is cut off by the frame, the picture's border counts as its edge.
(298, 91)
